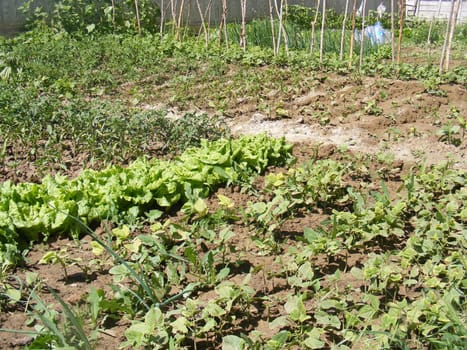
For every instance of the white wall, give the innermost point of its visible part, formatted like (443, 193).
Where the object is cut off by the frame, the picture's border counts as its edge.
(11, 19)
(435, 9)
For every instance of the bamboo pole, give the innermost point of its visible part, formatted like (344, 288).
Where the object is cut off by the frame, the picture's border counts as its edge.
(362, 35)
(446, 35)
(179, 20)
(313, 26)
(321, 39)
(428, 39)
(451, 34)
(282, 32)
(273, 29)
(344, 21)
(223, 24)
(161, 25)
(207, 17)
(138, 21)
(113, 14)
(225, 10)
(174, 16)
(393, 27)
(203, 23)
(207, 14)
(401, 27)
(279, 34)
(243, 30)
(187, 20)
(352, 34)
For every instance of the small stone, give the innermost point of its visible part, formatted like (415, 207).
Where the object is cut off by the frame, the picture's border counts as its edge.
(257, 117)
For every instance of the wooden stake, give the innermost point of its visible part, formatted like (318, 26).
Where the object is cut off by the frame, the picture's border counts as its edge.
(401, 27)
(282, 33)
(278, 44)
(161, 25)
(454, 14)
(243, 30)
(362, 35)
(428, 39)
(341, 52)
(273, 28)
(174, 17)
(352, 34)
(179, 21)
(207, 14)
(138, 22)
(313, 25)
(203, 23)
(393, 27)
(321, 40)
(223, 24)
(113, 13)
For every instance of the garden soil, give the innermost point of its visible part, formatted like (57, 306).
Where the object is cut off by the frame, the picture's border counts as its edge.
(399, 121)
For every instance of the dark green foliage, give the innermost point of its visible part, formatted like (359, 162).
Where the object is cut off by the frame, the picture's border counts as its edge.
(89, 16)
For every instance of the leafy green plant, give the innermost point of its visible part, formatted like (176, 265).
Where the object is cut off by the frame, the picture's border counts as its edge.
(432, 86)
(98, 16)
(69, 332)
(62, 257)
(449, 133)
(372, 108)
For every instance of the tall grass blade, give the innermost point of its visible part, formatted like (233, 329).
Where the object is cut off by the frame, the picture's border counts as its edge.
(69, 314)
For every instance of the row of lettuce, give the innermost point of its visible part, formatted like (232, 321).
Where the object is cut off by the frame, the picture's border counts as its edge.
(31, 212)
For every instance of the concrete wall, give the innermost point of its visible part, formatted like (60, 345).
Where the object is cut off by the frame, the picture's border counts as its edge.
(12, 20)
(429, 9)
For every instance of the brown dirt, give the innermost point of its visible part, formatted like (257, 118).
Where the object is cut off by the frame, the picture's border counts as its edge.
(371, 116)
(377, 116)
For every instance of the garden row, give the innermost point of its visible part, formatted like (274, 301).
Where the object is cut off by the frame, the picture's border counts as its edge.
(30, 211)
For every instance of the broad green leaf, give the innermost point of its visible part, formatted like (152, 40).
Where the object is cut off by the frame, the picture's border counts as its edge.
(222, 274)
(279, 322)
(121, 233)
(13, 294)
(97, 249)
(134, 246)
(312, 339)
(154, 318)
(225, 201)
(328, 304)
(209, 325)
(50, 257)
(179, 325)
(214, 310)
(90, 28)
(325, 319)
(119, 272)
(200, 207)
(296, 309)
(232, 342)
(31, 278)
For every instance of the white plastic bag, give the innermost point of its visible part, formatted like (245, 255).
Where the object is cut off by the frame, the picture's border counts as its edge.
(376, 34)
